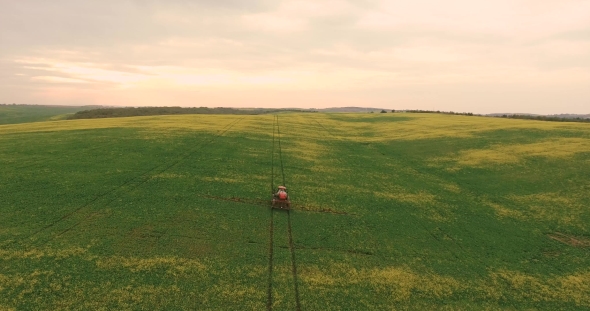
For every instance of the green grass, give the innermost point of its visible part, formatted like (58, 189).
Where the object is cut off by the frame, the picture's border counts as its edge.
(391, 211)
(10, 114)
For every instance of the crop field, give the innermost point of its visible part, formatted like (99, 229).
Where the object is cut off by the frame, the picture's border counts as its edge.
(390, 212)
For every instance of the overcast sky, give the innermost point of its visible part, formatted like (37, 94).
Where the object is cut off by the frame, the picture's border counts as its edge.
(461, 55)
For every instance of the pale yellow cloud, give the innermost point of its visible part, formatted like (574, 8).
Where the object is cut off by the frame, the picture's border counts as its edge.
(480, 56)
(295, 15)
(510, 18)
(77, 72)
(57, 79)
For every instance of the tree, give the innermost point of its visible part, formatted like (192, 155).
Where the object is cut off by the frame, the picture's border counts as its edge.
(392, 110)
(383, 111)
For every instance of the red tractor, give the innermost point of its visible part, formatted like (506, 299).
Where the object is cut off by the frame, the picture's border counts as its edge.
(280, 199)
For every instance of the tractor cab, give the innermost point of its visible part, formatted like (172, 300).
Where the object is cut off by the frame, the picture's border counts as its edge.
(280, 199)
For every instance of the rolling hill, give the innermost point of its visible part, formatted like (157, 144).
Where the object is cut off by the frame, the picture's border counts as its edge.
(390, 211)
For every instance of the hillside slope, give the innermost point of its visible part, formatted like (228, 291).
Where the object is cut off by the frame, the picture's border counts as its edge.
(390, 211)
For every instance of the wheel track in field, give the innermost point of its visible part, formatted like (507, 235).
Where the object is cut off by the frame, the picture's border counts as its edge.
(264, 203)
(271, 224)
(142, 178)
(280, 152)
(272, 158)
(277, 138)
(293, 263)
(270, 261)
(289, 230)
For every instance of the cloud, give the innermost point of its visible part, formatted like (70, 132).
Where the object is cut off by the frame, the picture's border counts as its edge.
(53, 79)
(378, 50)
(509, 18)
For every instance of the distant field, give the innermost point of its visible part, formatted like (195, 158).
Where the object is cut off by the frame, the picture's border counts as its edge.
(28, 113)
(391, 211)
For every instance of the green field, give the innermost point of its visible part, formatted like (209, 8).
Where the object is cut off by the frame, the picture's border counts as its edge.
(390, 211)
(10, 114)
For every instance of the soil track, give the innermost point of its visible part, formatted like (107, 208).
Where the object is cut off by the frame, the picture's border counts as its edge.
(293, 263)
(574, 241)
(270, 255)
(271, 224)
(266, 202)
(269, 302)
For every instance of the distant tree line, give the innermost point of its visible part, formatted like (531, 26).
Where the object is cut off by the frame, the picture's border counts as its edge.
(442, 112)
(509, 116)
(154, 111)
(544, 118)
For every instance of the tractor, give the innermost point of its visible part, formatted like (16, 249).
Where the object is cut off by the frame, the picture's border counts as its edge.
(280, 199)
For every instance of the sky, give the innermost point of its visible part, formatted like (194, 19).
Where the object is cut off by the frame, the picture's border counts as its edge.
(476, 56)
